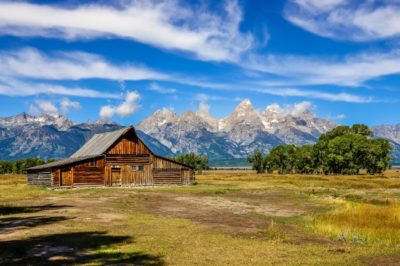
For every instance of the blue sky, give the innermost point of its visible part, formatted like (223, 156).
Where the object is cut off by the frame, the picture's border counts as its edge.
(122, 61)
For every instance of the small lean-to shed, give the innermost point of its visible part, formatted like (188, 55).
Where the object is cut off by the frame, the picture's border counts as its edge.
(118, 158)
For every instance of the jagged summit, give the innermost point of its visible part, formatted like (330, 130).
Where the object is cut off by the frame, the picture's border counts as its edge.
(244, 108)
(51, 135)
(237, 135)
(51, 119)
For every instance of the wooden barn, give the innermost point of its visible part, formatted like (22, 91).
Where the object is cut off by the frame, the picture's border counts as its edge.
(118, 158)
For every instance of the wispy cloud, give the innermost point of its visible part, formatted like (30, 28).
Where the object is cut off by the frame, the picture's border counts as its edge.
(352, 70)
(129, 106)
(45, 106)
(66, 105)
(12, 87)
(313, 94)
(295, 109)
(160, 89)
(31, 63)
(348, 20)
(166, 24)
(203, 97)
(42, 106)
(76, 65)
(336, 117)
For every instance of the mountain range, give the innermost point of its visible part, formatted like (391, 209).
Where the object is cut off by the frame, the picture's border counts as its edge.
(225, 141)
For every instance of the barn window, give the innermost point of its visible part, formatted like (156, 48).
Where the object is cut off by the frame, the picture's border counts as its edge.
(136, 168)
(93, 163)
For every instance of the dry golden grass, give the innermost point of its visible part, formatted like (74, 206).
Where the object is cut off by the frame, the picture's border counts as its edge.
(228, 218)
(11, 179)
(362, 223)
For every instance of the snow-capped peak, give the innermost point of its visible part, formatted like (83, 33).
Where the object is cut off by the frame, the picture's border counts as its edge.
(244, 108)
(54, 119)
(246, 103)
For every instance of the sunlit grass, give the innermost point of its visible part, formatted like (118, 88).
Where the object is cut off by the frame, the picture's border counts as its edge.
(358, 214)
(362, 224)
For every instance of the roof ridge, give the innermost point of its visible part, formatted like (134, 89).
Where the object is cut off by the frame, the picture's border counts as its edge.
(99, 143)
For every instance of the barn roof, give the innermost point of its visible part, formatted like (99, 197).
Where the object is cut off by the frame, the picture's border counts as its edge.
(100, 143)
(62, 162)
(95, 147)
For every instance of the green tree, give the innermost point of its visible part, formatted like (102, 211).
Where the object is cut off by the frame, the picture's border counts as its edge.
(193, 160)
(19, 166)
(378, 156)
(361, 130)
(343, 150)
(279, 158)
(6, 167)
(258, 161)
(304, 159)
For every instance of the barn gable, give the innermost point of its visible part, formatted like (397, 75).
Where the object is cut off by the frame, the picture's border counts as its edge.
(118, 158)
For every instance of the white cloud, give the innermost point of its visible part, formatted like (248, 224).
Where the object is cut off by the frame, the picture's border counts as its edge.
(295, 109)
(352, 70)
(318, 4)
(11, 87)
(43, 106)
(336, 117)
(30, 63)
(66, 104)
(33, 64)
(129, 106)
(300, 108)
(157, 88)
(348, 20)
(202, 97)
(166, 24)
(313, 94)
(203, 109)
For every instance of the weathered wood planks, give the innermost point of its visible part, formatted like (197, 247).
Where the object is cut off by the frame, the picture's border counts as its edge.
(126, 162)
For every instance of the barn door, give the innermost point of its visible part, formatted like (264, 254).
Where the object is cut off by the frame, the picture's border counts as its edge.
(116, 177)
(66, 177)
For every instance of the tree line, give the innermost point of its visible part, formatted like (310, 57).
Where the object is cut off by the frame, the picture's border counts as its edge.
(198, 163)
(343, 150)
(19, 166)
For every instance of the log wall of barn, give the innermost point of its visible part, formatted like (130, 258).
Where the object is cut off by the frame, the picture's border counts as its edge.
(129, 145)
(167, 172)
(165, 164)
(129, 159)
(89, 172)
(40, 177)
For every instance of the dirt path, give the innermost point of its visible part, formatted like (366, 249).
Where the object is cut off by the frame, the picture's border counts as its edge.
(233, 217)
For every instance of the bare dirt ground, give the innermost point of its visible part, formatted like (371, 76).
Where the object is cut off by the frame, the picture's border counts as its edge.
(238, 215)
(242, 221)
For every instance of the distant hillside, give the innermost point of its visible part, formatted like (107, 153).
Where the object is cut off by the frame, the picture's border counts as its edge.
(238, 135)
(391, 133)
(54, 136)
(227, 142)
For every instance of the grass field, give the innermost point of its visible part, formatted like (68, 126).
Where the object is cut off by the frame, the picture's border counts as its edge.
(227, 218)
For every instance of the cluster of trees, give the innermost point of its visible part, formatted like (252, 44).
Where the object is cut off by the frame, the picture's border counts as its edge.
(343, 150)
(19, 166)
(193, 160)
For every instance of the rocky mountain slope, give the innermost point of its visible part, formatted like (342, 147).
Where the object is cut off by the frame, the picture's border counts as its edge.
(224, 141)
(236, 136)
(53, 136)
(391, 133)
